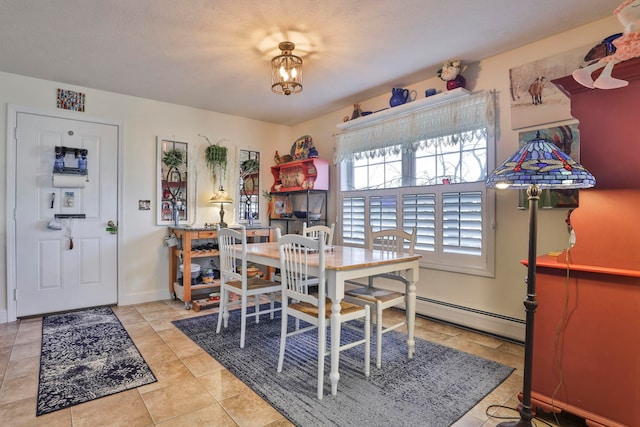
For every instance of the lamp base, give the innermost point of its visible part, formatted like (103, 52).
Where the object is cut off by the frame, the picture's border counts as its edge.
(222, 224)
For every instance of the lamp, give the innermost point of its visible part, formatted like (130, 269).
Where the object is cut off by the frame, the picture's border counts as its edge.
(222, 197)
(286, 71)
(537, 165)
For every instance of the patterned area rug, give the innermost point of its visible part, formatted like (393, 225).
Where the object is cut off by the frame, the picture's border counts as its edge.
(86, 355)
(435, 388)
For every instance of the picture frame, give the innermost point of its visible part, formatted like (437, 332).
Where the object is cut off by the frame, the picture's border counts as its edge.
(566, 138)
(534, 99)
(280, 206)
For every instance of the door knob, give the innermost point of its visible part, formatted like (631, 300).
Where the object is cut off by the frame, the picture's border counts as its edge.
(112, 227)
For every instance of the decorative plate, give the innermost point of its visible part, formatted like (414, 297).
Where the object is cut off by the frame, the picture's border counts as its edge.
(300, 148)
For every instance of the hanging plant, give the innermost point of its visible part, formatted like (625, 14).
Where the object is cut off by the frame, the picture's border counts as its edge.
(173, 158)
(216, 157)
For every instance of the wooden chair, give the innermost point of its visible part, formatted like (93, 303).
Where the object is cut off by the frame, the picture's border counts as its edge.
(312, 232)
(234, 280)
(315, 230)
(379, 299)
(314, 309)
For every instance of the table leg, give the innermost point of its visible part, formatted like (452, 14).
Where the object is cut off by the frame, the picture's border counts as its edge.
(335, 345)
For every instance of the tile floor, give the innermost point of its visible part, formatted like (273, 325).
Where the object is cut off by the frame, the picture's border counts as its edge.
(195, 390)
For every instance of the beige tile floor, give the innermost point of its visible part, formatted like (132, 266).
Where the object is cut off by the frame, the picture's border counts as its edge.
(193, 389)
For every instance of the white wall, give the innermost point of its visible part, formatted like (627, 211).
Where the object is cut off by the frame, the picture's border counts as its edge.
(145, 260)
(503, 295)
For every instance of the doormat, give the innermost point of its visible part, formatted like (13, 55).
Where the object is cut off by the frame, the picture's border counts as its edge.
(86, 355)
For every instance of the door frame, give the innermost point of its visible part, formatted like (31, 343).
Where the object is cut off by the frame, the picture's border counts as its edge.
(11, 160)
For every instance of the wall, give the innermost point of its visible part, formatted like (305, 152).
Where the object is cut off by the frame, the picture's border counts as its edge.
(490, 304)
(145, 267)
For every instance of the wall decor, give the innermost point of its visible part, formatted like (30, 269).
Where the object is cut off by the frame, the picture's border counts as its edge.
(534, 99)
(70, 100)
(567, 139)
(173, 184)
(248, 204)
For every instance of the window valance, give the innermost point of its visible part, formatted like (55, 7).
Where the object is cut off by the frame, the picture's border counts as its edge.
(446, 123)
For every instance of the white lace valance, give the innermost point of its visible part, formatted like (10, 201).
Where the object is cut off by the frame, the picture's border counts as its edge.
(446, 123)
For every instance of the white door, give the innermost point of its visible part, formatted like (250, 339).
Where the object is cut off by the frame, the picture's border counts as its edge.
(75, 266)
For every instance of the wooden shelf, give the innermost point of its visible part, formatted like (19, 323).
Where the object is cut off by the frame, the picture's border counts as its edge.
(294, 176)
(409, 107)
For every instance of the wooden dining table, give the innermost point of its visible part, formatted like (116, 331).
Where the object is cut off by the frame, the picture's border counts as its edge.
(344, 263)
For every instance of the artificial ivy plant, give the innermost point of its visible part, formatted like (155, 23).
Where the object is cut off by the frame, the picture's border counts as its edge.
(173, 158)
(216, 157)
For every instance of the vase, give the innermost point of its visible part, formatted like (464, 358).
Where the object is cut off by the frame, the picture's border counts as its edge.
(459, 81)
(398, 96)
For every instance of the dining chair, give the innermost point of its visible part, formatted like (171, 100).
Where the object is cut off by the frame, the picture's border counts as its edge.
(314, 232)
(234, 280)
(315, 309)
(388, 241)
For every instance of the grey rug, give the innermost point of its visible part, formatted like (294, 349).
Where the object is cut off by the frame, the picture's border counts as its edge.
(435, 388)
(86, 355)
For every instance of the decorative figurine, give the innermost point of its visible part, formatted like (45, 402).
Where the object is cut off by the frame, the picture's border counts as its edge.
(627, 47)
(357, 111)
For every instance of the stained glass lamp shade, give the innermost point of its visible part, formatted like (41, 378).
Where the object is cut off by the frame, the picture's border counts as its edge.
(542, 163)
(537, 165)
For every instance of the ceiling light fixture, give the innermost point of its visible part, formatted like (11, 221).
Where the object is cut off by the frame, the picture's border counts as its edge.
(286, 71)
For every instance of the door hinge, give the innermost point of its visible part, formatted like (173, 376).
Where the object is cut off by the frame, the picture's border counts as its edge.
(15, 294)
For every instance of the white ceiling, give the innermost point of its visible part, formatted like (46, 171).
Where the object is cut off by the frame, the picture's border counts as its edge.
(208, 53)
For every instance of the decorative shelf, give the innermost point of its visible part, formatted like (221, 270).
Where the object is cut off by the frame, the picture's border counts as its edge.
(300, 175)
(409, 107)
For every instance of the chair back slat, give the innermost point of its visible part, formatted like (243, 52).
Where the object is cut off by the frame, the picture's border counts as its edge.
(314, 232)
(392, 241)
(232, 263)
(295, 251)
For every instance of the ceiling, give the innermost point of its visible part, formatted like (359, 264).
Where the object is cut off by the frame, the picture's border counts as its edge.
(215, 54)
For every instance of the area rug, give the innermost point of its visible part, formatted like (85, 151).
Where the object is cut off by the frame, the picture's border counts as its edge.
(435, 388)
(86, 355)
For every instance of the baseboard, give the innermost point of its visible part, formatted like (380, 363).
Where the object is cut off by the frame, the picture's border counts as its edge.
(142, 297)
(490, 323)
(4, 317)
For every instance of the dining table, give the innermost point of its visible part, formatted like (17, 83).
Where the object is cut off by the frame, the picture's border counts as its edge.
(343, 263)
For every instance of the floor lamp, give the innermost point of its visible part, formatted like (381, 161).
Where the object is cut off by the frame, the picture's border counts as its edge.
(538, 165)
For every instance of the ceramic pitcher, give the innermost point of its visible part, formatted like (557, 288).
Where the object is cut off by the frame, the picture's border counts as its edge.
(398, 96)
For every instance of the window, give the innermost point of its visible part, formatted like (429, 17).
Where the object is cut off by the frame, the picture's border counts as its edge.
(435, 185)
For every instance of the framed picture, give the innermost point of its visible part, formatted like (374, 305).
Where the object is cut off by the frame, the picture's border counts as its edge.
(534, 99)
(279, 206)
(70, 100)
(567, 139)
